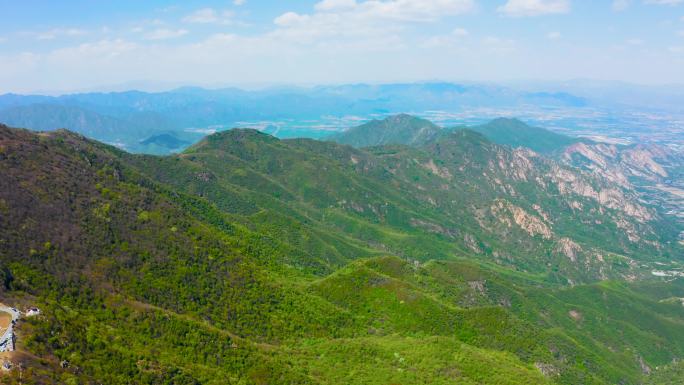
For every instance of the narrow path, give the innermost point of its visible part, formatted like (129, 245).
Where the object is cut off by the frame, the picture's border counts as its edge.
(8, 316)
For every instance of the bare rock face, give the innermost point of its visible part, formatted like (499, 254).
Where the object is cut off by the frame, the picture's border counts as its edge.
(569, 248)
(509, 213)
(547, 369)
(518, 165)
(433, 227)
(570, 183)
(442, 172)
(472, 243)
(597, 154)
(635, 174)
(576, 315)
(478, 286)
(542, 213)
(644, 368)
(642, 160)
(629, 229)
(621, 165)
(618, 164)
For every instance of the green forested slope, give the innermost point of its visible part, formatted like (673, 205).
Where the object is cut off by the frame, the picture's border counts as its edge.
(398, 129)
(252, 260)
(457, 195)
(514, 133)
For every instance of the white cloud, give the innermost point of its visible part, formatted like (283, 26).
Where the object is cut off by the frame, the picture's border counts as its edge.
(157, 22)
(460, 32)
(103, 49)
(554, 35)
(332, 5)
(167, 9)
(335, 41)
(620, 5)
(681, 33)
(239, 2)
(405, 10)
(664, 2)
(202, 16)
(291, 19)
(209, 16)
(147, 24)
(456, 36)
(499, 45)
(362, 24)
(165, 34)
(360, 43)
(635, 41)
(58, 32)
(522, 8)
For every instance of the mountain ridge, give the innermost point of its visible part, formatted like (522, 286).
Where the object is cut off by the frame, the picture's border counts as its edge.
(515, 133)
(189, 111)
(396, 129)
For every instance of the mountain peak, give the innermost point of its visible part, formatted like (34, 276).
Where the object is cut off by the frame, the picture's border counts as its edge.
(396, 129)
(516, 133)
(165, 140)
(509, 121)
(241, 134)
(231, 137)
(403, 117)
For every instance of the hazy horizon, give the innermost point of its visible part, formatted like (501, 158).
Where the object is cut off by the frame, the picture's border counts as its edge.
(148, 86)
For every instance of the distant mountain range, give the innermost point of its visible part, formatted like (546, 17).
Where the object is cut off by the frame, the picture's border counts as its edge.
(409, 130)
(127, 119)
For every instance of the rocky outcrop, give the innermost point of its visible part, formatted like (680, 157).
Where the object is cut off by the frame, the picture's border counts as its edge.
(442, 172)
(509, 213)
(569, 248)
(619, 164)
(572, 183)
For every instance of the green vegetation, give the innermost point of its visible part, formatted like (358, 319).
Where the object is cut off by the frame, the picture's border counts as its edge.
(398, 129)
(251, 260)
(514, 133)
(668, 375)
(165, 142)
(412, 131)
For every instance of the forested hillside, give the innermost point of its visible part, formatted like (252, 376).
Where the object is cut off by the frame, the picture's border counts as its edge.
(252, 260)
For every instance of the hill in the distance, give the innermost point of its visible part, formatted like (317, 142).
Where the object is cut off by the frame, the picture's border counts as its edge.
(168, 141)
(397, 129)
(412, 131)
(514, 133)
(126, 118)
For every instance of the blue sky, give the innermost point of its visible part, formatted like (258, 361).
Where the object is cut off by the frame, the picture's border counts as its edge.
(77, 45)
